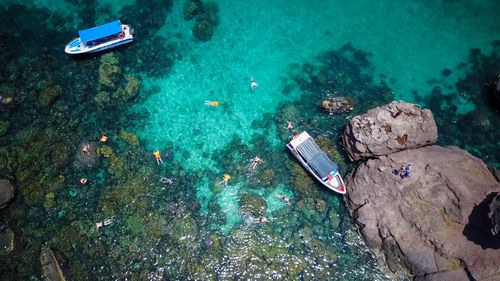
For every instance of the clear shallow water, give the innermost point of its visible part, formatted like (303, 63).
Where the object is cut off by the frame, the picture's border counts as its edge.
(299, 53)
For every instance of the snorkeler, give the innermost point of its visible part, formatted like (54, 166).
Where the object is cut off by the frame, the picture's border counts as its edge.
(225, 179)
(167, 181)
(255, 162)
(253, 85)
(103, 223)
(103, 138)
(212, 103)
(261, 220)
(85, 148)
(158, 157)
(289, 125)
(83, 180)
(284, 198)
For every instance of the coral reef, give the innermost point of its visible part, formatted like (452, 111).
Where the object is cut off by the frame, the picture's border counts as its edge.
(109, 70)
(49, 95)
(102, 98)
(129, 138)
(4, 127)
(206, 18)
(253, 204)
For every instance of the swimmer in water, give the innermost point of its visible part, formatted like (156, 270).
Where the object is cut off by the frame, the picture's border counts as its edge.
(253, 85)
(261, 220)
(212, 103)
(255, 162)
(286, 199)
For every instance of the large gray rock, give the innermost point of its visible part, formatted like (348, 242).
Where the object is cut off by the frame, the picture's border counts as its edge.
(419, 221)
(50, 266)
(494, 215)
(6, 193)
(379, 132)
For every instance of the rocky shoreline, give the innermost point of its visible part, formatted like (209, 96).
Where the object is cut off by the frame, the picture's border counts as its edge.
(439, 222)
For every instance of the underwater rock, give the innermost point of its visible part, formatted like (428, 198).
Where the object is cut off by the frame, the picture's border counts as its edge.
(50, 266)
(426, 222)
(316, 203)
(86, 158)
(102, 98)
(109, 71)
(302, 181)
(6, 193)
(390, 128)
(6, 242)
(338, 104)
(191, 8)
(49, 95)
(267, 176)
(494, 215)
(253, 204)
(131, 89)
(203, 30)
(496, 88)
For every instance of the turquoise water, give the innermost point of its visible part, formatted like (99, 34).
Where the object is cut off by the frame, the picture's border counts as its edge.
(439, 54)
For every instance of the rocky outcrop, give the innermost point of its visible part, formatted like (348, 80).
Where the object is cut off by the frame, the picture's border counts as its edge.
(6, 193)
(338, 105)
(425, 222)
(50, 266)
(494, 215)
(6, 241)
(387, 129)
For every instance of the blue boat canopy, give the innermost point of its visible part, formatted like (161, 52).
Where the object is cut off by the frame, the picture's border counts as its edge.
(100, 31)
(316, 158)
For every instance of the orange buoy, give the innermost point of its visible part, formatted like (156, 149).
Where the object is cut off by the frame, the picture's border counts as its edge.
(85, 148)
(83, 180)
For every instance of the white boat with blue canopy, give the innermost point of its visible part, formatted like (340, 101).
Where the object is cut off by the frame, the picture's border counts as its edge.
(315, 160)
(100, 38)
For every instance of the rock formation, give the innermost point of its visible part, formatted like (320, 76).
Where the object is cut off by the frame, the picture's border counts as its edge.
(338, 104)
(494, 215)
(50, 266)
(434, 223)
(6, 193)
(382, 130)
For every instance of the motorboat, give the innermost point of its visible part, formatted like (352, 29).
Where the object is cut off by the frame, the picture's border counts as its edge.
(315, 160)
(100, 38)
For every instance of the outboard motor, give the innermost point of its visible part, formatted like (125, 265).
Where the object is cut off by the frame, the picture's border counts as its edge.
(132, 31)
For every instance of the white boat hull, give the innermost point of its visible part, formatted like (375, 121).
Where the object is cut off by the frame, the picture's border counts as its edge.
(332, 181)
(76, 47)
